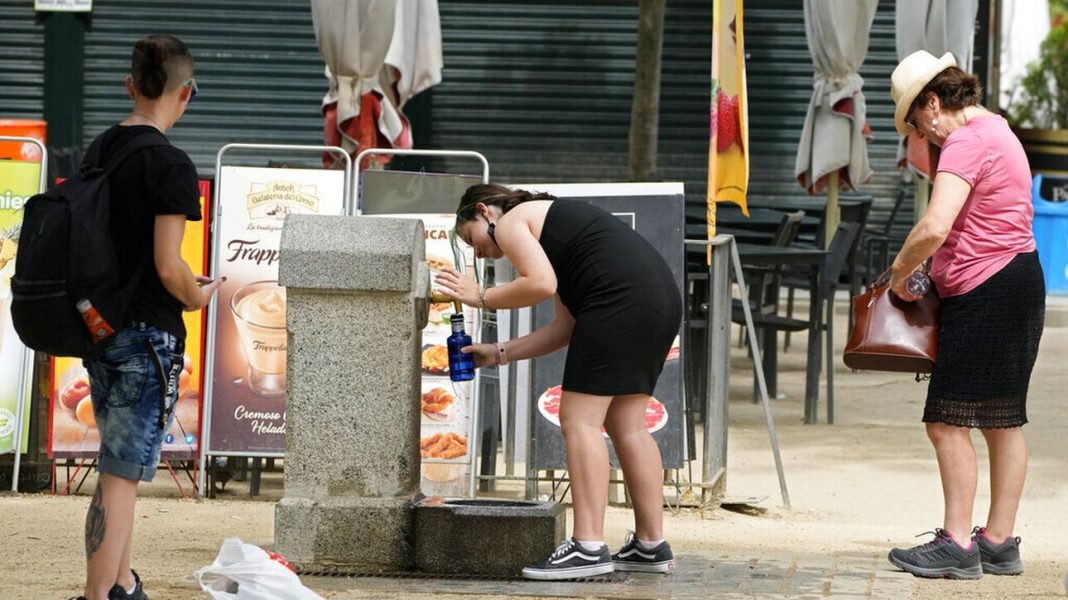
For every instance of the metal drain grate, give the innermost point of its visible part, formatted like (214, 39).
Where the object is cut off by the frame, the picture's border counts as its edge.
(340, 571)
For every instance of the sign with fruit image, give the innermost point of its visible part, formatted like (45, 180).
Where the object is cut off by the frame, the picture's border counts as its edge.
(72, 428)
(18, 181)
(728, 151)
(73, 431)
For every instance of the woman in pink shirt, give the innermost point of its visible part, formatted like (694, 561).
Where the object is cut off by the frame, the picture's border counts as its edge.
(977, 233)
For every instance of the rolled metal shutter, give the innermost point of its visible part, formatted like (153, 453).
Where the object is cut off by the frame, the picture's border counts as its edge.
(779, 72)
(21, 61)
(544, 90)
(257, 66)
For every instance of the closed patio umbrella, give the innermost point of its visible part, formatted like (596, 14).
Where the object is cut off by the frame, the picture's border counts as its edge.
(937, 26)
(833, 149)
(378, 53)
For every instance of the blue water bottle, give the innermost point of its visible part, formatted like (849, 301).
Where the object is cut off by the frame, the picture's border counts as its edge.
(461, 366)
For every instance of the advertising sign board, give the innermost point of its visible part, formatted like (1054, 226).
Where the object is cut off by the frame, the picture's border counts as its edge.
(247, 320)
(656, 212)
(72, 428)
(19, 180)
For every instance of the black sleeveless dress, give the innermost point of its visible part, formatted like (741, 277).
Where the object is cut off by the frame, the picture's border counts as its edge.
(626, 304)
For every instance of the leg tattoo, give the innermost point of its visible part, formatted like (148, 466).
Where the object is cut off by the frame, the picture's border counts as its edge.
(95, 523)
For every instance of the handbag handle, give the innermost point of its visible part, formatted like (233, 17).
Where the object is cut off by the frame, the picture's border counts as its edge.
(884, 279)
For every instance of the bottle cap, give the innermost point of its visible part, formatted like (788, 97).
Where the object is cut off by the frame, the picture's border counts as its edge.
(83, 305)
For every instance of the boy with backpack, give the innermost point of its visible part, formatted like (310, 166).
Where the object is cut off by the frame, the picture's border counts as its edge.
(132, 334)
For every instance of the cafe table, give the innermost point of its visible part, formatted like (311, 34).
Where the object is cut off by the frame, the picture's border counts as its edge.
(761, 255)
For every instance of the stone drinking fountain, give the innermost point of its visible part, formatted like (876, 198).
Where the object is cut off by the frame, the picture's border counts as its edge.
(357, 291)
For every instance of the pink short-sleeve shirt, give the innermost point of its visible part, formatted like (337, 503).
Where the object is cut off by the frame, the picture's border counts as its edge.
(994, 225)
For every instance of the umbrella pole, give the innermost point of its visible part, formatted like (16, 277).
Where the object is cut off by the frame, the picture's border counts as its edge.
(922, 197)
(831, 220)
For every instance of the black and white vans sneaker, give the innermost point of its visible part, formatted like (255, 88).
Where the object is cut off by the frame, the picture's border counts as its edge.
(570, 561)
(117, 593)
(632, 557)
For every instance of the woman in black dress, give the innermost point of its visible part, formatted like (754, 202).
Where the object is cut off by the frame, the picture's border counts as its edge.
(618, 310)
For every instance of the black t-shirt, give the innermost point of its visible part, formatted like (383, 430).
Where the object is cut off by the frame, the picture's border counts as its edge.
(160, 180)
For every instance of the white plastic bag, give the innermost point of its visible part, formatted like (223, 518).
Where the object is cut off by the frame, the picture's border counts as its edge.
(245, 572)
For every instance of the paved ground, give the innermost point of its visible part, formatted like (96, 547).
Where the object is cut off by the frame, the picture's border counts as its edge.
(698, 577)
(858, 488)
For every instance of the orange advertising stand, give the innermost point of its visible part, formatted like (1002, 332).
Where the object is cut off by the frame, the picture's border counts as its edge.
(18, 150)
(72, 432)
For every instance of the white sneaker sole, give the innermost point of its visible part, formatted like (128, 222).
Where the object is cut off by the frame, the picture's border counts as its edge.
(568, 572)
(665, 566)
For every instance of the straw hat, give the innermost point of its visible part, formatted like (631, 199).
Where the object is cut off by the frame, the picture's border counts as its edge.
(909, 78)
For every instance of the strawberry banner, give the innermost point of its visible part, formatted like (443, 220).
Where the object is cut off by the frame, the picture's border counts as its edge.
(728, 148)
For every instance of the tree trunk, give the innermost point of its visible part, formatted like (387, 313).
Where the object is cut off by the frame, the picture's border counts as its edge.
(645, 109)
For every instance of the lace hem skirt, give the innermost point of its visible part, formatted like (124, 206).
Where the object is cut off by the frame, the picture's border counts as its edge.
(987, 344)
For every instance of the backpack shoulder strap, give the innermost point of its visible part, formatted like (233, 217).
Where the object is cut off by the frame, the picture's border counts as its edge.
(137, 143)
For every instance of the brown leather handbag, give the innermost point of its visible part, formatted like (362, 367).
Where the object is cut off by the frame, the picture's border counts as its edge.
(890, 334)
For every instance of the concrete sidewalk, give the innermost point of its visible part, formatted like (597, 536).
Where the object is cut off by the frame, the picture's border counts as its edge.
(697, 577)
(858, 488)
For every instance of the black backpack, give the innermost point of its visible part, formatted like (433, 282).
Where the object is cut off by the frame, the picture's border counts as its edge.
(66, 255)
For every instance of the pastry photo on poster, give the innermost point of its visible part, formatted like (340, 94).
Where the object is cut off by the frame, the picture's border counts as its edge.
(249, 365)
(74, 432)
(445, 421)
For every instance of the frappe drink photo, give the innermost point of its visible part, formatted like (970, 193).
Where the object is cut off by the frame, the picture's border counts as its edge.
(259, 311)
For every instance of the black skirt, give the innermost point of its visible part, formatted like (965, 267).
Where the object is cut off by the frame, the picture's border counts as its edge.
(622, 295)
(987, 344)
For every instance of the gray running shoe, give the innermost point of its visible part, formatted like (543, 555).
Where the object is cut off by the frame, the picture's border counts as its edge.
(632, 557)
(941, 557)
(571, 561)
(998, 559)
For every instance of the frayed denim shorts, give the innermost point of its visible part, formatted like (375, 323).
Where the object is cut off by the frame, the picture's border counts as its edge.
(134, 383)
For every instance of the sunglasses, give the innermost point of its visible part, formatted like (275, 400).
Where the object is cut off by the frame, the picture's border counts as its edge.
(192, 82)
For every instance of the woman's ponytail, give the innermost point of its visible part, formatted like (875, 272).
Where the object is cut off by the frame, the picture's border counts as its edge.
(492, 194)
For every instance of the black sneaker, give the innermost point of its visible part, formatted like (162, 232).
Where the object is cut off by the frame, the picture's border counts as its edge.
(941, 557)
(118, 593)
(632, 557)
(570, 561)
(998, 559)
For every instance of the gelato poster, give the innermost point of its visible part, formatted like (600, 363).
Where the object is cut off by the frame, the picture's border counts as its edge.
(447, 406)
(247, 387)
(18, 181)
(72, 427)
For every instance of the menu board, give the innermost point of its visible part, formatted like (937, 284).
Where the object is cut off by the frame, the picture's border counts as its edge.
(72, 431)
(247, 323)
(446, 406)
(656, 212)
(18, 181)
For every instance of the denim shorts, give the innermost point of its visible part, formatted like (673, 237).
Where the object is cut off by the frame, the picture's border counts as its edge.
(134, 383)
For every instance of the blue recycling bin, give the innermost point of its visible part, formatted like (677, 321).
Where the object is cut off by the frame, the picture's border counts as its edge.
(1050, 198)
